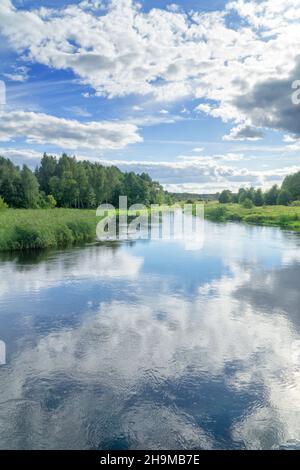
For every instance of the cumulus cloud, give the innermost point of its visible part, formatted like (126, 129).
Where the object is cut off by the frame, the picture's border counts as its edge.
(122, 51)
(42, 128)
(269, 104)
(241, 74)
(244, 132)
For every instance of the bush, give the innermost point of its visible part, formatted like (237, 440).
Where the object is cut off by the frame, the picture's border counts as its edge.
(218, 213)
(235, 217)
(247, 204)
(51, 202)
(3, 204)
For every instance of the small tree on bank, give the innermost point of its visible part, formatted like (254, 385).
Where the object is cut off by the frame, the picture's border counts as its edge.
(3, 204)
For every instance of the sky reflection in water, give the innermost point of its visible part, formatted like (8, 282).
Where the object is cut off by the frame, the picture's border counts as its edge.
(147, 345)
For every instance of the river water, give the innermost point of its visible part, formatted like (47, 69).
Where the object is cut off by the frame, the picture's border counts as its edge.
(148, 345)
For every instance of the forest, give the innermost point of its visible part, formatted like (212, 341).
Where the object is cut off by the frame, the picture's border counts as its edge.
(69, 183)
(288, 193)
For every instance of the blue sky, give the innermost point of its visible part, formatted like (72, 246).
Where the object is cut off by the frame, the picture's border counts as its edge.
(197, 93)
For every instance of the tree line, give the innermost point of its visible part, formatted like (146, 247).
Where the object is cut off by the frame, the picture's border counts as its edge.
(67, 182)
(288, 193)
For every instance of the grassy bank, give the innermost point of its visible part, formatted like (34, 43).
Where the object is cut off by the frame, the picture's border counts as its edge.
(41, 229)
(286, 217)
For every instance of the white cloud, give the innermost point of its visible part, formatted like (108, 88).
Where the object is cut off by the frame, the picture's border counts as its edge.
(22, 155)
(96, 265)
(123, 51)
(224, 322)
(137, 108)
(18, 74)
(41, 128)
(199, 56)
(244, 132)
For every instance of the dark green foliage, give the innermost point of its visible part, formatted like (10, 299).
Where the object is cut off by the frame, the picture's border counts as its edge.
(284, 198)
(226, 197)
(69, 183)
(30, 193)
(272, 195)
(292, 185)
(218, 213)
(289, 192)
(259, 198)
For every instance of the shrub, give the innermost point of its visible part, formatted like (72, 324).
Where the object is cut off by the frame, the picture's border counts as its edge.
(51, 202)
(3, 204)
(247, 204)
(218, 213)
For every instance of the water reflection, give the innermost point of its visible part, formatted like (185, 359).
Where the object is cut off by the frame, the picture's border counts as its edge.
(162, 348)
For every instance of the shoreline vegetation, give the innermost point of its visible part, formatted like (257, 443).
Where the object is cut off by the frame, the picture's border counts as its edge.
(42, 229)
(285, 217)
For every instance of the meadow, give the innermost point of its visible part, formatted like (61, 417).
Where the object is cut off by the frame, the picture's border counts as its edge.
(286, 217)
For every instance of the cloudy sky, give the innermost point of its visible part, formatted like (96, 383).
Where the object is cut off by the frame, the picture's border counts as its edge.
(198, 92)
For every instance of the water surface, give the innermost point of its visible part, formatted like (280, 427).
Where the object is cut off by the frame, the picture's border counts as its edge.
(148, 345)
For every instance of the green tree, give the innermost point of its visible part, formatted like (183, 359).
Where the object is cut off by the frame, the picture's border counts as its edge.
(284, 198)
(242, 195)
(45, 172)
(259, 198)
(29, 188)
(272, 195)
(292, 185)
(225, 197)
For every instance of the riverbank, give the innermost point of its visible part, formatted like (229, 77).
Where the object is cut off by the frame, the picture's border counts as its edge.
(286, 217)
(26, 229)
(40, 229)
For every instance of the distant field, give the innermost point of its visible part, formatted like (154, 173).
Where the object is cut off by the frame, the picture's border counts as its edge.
(287, 217)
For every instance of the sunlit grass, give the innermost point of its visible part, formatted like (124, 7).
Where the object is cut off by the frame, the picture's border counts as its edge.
(287, 217)
(39, 229)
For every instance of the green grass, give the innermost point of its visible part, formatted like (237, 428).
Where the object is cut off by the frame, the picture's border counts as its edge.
(286, 217)
(26, 229)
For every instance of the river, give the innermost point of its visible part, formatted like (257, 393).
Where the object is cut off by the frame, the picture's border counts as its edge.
(148, 345)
